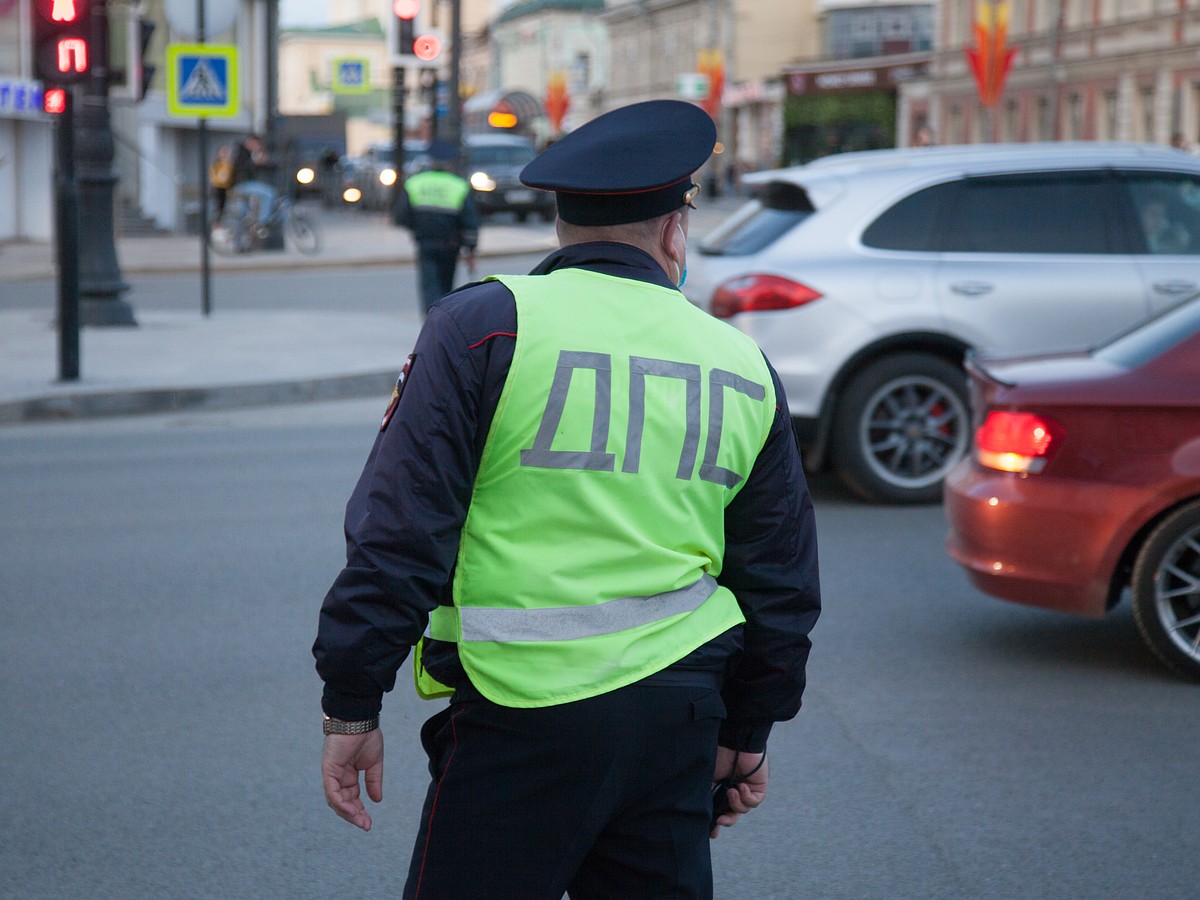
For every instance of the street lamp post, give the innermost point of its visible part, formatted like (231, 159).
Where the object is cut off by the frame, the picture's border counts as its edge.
(100, 282)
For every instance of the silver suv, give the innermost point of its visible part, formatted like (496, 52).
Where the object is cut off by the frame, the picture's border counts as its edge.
(866, 277)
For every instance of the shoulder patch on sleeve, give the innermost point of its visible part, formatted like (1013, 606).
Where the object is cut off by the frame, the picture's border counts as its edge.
(397, 391)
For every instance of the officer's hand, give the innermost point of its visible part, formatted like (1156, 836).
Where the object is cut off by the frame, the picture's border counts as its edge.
(343, 757)
(751, 790)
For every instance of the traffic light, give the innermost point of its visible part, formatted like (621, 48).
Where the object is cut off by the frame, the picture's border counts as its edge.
(406, 25)
(412, 39)
(62, 39)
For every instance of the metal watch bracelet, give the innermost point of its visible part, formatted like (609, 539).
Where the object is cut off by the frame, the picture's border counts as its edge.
(337, 726)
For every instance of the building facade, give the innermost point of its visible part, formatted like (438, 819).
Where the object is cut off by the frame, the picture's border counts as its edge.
(26, 134)
(849, 98)
(537, 43)
(1081, 70)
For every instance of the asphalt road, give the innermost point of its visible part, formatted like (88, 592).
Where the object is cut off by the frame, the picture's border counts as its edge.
(159, 585)
(362, 289)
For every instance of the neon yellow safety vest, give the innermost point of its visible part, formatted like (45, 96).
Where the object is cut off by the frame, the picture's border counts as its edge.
(588, 560)
(437, 191)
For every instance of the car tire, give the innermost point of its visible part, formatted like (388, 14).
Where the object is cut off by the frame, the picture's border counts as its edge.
(901, 424)
(1166, 590)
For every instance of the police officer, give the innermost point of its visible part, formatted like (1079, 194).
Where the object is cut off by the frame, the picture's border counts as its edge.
(586, 495)
(437, 207)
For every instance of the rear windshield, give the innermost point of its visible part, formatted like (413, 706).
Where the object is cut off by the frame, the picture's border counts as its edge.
(777, 209)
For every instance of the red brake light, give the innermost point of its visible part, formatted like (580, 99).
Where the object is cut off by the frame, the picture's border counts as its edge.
(1016, 442)
(754, 293)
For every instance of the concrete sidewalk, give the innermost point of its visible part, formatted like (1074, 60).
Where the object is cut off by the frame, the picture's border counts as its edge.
(178, 361)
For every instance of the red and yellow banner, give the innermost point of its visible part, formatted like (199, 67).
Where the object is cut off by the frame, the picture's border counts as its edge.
(712, 64)
(557, 101)
(991, 57)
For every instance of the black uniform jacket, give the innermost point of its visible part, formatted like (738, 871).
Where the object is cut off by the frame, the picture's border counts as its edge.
(404, 517)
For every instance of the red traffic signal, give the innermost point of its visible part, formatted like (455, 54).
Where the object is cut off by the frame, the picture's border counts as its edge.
(406, 9)
(54, 101)
(426, 47)
(62, 39)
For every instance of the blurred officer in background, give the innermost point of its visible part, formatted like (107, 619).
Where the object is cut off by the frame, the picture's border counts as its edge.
(437, 207)
(586, 495)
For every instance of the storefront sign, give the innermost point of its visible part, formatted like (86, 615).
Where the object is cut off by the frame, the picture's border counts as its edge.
(20, 96)
(748, 93)
(861, 79)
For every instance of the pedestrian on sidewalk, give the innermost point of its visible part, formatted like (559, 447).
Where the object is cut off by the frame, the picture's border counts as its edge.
(436, 206)
(220, 176)
(586, 512)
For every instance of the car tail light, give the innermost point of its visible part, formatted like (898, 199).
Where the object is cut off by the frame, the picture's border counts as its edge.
(1017, 442)
(755, 293)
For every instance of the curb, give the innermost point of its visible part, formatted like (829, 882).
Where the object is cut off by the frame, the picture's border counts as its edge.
(102, 404)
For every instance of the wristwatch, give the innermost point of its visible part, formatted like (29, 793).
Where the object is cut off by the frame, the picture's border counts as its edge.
(338, 726)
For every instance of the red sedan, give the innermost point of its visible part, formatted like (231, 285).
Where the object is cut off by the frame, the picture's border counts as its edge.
(1085, 481)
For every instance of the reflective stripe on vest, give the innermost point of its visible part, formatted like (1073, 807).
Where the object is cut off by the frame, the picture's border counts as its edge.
(566, 623)
(437, 192)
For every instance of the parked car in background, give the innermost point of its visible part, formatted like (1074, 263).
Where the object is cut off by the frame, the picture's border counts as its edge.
(1085, 482)
(354, 171)
(376, 176)
(308, 145)
(493, 164)
(866, 277)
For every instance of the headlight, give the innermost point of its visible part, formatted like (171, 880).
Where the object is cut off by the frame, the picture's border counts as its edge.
(387, 177)
(481, 182)
(306, 175)
(351, 195)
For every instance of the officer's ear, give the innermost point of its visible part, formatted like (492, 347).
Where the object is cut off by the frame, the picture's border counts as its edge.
(671, 236)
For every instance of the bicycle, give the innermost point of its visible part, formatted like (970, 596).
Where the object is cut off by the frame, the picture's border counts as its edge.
(238, 230)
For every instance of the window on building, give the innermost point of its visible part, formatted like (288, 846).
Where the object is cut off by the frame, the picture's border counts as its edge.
(860, 32)
(1074, 117)
(1017, 18)
(1191, 114)
(581, 73)
(1043, 14)
(1043, 127)
(1111, 124)
(1146, 110)
(1009, 122)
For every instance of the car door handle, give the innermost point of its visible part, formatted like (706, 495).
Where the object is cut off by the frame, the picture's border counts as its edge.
(971, 288)
(1174, 287)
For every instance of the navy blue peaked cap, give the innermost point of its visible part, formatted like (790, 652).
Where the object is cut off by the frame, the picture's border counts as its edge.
(627, 165)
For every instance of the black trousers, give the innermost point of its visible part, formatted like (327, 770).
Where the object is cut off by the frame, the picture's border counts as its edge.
(436, 267)
(602, 798)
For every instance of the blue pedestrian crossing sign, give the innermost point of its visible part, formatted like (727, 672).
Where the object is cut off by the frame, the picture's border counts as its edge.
(202, 80)
(351, 75)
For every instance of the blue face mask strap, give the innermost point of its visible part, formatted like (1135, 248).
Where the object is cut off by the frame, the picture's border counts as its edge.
(681, 275)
